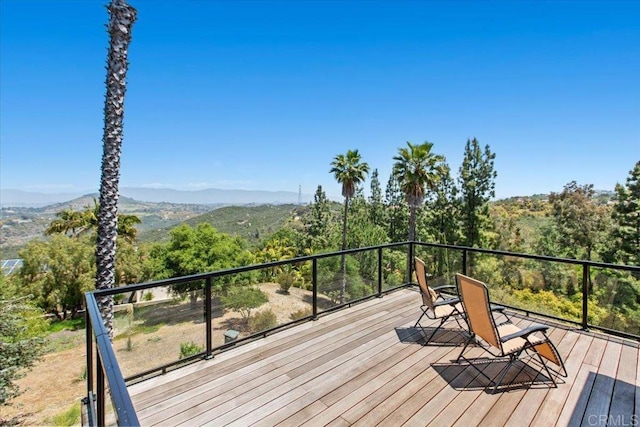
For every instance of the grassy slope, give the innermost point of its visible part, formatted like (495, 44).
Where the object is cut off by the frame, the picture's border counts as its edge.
(252, 223)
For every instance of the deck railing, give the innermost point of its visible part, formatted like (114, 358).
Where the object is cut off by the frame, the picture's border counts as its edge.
(387, 268)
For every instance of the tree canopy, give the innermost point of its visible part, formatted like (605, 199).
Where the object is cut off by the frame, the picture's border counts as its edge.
(417, 169)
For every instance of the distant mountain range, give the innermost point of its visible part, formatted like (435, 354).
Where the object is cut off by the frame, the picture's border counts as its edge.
(210, 196)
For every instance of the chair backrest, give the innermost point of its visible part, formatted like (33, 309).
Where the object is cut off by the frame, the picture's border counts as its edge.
(475, 299)
(428, 294)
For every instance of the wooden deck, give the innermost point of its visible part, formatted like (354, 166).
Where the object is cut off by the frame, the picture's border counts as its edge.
(362, 366)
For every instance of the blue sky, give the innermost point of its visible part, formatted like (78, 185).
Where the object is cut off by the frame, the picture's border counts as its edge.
(262, 95)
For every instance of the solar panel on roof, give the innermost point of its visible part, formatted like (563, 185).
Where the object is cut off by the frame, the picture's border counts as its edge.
(10, 265)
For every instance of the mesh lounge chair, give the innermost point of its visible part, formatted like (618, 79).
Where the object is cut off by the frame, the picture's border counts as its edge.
(505, 340)
(434, 304)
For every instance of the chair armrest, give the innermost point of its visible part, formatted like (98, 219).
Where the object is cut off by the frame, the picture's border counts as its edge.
(447, 301)
(437, 288)
(524, 333)
(446, 290)
(496, 307)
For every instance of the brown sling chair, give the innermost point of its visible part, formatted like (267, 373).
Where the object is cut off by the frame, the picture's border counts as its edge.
(504, 340)
(434, 304)
(442, 302)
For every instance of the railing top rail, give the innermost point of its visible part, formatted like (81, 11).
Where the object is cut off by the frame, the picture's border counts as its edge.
(533, 256)
(247, 268)
(236, 270)
(122, 404)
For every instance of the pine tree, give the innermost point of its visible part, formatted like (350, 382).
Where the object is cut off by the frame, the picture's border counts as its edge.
(376, 204)
(626, 219)
(397, 212)
(319, 221)
(477, 183)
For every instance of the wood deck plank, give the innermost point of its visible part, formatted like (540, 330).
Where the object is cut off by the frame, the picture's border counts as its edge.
(343, 400)
(530, 404)
(576, 402)
(353, 367)
(601, 394)
(298, 411)
(624, 389)
(431, 409)
(380, 396)
(266, 368)
(554, 402)
(269, 346)
(237, 405)
(266, 404)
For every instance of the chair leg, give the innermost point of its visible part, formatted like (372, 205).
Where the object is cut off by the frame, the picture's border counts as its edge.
(466, 344)
(434, 331)
(503, 373)
(457, 317)
(546, 368)
(420, 318)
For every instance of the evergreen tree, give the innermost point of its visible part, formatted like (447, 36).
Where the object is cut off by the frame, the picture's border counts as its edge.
(579, 220)
(319, 221)
(626, 220)
(397, 213)
(362, 230)
(21, 344)
(477, 183)
(376, 204)
(443, 211)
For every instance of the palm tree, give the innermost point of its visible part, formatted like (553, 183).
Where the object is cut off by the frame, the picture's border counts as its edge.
(349, 172)
(68, 221)
(126, 223)
(77, 223)
(416, 167)
(122, 17)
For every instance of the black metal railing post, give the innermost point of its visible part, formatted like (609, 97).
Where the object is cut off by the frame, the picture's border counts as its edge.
(409, 262)
(464, 262)
(208, 320)
(379, 271)
(89, 337)
(585, 296)
(314, 278)
(100, 392)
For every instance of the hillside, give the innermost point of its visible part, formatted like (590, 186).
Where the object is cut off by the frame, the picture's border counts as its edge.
(21, 224)
(253, 222)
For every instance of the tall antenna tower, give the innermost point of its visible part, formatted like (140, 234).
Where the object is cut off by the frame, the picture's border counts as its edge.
(299, 194)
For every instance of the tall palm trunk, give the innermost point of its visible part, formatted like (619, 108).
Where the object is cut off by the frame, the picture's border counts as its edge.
(122, 17)
(343, 282)
(412, 222)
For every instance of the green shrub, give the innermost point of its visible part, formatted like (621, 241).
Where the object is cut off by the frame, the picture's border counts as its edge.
(263, 320)
(299, 314)
(243, 299)
(66, 325)
(188, 349)
(286, 278)
(148, 296)
(70, 417)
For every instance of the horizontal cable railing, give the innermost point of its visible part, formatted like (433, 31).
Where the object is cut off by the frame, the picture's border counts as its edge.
(389, 267)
